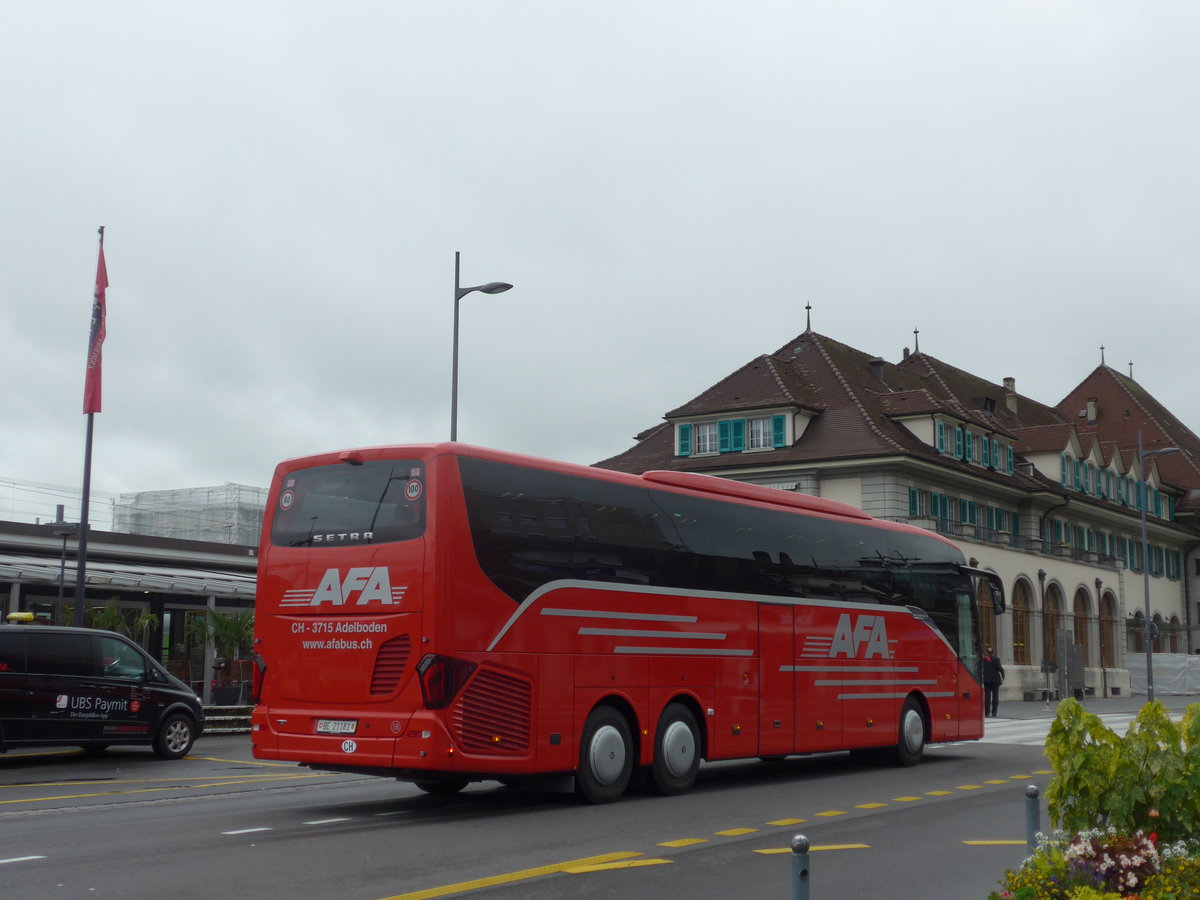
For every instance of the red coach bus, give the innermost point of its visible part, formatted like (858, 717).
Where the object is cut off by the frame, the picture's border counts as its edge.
(445, 614)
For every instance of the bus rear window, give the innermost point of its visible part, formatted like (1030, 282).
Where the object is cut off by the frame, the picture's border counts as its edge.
(344, 505)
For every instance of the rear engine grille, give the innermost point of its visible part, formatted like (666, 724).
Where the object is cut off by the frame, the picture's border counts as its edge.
(493, 714)
(390, 663)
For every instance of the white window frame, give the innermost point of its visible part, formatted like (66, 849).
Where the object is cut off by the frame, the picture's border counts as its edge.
(758, 433)
(706, 439)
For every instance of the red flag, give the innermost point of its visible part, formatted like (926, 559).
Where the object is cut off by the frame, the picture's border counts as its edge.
(91, 384)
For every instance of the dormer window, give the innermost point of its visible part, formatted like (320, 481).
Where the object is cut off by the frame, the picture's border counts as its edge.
(731, 435)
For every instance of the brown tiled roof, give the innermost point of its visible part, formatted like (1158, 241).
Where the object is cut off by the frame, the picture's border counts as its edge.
(1123, 407)
(857, 412)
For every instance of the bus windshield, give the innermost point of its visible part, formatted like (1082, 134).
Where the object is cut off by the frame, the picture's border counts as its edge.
(345, 504)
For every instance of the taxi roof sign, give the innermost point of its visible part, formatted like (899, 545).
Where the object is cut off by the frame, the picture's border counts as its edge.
(16, 617)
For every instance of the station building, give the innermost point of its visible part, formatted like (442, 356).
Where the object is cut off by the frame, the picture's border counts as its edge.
(1051, 498)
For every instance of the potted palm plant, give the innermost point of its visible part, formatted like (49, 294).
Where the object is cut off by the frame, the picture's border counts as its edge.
(232, 634)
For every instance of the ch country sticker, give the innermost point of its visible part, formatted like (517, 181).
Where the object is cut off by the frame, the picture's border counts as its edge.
(857, 637)
(360, 586)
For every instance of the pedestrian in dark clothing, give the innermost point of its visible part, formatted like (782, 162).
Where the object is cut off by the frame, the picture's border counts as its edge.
(993, 677)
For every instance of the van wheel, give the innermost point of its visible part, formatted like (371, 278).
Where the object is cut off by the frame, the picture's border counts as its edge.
(443, 788)
(676, 750)
(175, 737)
(605, 756)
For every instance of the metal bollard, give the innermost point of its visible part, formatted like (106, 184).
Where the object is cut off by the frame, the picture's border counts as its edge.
(1032, 817)
(799, 867)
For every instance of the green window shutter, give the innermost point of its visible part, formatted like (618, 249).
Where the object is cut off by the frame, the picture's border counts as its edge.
(972, 509)
(1058, 531)
(1016, 523)
(1158, 504)
(958, 443)
(914, 502)
(986, 457)
(934, 504)
(737, 435)
(940, 437)
(778, 431)
(685, 440)
(1171, 508)
(724, 439)
(1008, 465)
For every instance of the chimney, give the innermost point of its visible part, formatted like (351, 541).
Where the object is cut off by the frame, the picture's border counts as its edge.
(1010, 394)
(876, 365)
(1093, 410)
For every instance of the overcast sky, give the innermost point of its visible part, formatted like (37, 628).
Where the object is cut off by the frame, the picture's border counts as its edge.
(666, 184)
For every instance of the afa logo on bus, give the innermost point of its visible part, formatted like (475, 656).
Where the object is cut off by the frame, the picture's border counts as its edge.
(360, 586)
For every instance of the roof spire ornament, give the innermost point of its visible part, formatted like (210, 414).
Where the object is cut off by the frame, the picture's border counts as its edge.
(807, 317)
(1102, 356)
(1131, 368)
(916, 340)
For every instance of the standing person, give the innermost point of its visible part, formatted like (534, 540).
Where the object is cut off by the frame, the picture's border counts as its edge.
(993, 677)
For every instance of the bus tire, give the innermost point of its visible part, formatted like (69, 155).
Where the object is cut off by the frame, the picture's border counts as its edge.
(175, 737)
(676, 750)
(446, 787)
(605, 756)
(911, 745)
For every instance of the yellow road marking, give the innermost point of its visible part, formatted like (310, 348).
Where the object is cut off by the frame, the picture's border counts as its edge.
(1019, 777)
(734, 832)
(522, 875)
(774, 850)
(996, 781)
(969, 787)
(938, 793)
(628, 864)
(829, 813)
(870, 806)
(1043, 772)
(905, 799)
(784, 822)
(684, 842)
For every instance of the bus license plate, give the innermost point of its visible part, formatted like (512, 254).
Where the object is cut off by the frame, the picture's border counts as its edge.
(336, 726)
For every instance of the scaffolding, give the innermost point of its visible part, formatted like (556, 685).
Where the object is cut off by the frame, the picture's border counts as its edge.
(224, 514)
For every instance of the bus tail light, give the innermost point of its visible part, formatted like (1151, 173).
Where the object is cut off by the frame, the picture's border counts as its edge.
(259, 675)
(441, 678)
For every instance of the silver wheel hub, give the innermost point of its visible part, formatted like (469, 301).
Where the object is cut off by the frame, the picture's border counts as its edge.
(678, 749)
(606, 754)
(913, 731)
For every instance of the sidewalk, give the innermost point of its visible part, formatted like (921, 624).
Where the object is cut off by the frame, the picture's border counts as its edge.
(1038, 709)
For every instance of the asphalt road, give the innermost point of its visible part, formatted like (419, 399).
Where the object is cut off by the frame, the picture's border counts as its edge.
(219, 824)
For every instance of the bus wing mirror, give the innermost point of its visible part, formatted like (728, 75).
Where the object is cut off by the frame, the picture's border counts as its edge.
(995, 585)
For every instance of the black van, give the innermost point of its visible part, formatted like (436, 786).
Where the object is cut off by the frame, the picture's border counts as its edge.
(90, 688)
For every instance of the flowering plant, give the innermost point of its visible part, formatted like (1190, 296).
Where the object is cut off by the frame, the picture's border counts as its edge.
(1115, 862)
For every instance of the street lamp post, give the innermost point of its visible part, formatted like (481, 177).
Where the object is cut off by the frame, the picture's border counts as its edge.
(492, 287)
(1145, 501)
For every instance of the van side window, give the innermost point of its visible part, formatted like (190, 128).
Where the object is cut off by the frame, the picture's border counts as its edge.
(12, 651)
(120, 659)
(58, 653)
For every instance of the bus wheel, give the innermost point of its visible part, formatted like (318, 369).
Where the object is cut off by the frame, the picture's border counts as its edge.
(175, 737)
(443, 788)
(676, 750)
(911, 746)
(605, 756)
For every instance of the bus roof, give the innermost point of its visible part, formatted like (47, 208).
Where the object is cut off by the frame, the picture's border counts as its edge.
(685, 481)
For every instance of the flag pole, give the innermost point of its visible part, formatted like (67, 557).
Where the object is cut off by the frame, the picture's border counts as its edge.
(91, 406)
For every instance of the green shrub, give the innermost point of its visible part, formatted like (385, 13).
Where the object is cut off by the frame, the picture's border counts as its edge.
(1149, 779)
